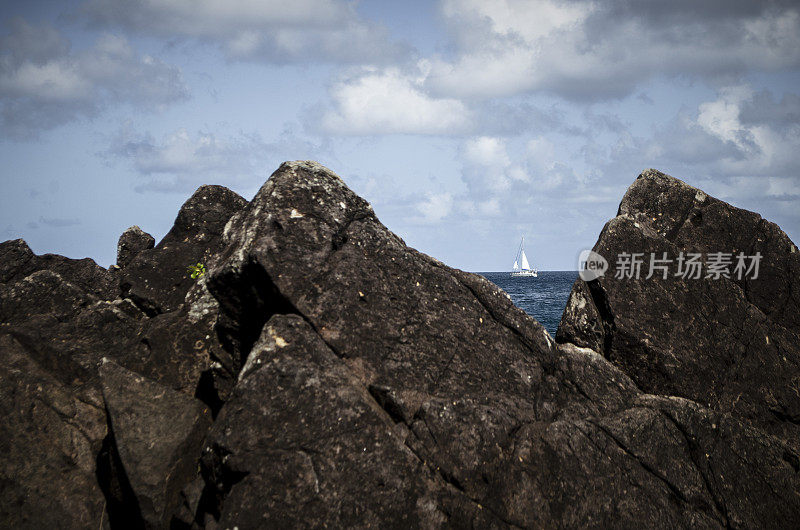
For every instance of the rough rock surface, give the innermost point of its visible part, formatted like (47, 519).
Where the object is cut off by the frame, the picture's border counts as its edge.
(156, 432)
(354, 382)
(59, 318)
(19, 261)
(731, 344)
(131, 242)
(156, 279)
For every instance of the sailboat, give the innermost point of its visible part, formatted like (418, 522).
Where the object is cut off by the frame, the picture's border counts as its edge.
(526, 269)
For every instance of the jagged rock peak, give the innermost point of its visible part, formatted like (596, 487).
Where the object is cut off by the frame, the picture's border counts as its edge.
(17, 261)
(16, 254)
(728, 340)
(156, 278)
(204, 214)
(131, 242)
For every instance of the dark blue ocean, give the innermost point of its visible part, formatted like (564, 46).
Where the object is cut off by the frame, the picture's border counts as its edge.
(544, 297)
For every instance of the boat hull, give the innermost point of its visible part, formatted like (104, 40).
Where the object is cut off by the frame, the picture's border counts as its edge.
(525, 273)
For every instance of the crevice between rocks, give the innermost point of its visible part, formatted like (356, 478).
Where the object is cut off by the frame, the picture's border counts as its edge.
(498, 318)
(247, 298)
(785, 417)
(648, 468)
(340, 237)
(122, 507)
(219, 479)
(207, 392)
(386, 400)
(693, 213)
(603, 307)
(142, 304)
(692, 448)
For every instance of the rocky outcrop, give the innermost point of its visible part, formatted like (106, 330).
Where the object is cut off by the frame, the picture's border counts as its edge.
(730, 343)
(19, 261)
(131, 242)
(58, 319)
(156, 434)
(156, 279)
(321, 373)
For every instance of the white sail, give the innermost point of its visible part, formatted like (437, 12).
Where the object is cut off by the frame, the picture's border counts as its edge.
(525, 265)
(526, 269)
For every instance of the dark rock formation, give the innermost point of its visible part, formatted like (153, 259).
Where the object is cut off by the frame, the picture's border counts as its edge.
(732, 344)
(157, 433)
(156, 279)
(50, 436)
(131, 242)
(19, 261)
(58, 319)
(354, 382)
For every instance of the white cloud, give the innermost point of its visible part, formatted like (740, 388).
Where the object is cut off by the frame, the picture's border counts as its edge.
(489, 169)
(543, 162)
(391, 101)
(489, 208)
(51, 81)
(435, 207)
(741, 147)
(487, 165)
(530, 20)
(181, 160)
(721, 117)
(327, 30)
(43, 84)
(594, 50)
(487, 152)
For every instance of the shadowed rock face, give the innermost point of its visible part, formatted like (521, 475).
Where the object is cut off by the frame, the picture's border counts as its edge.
(354, 382)
(732, 344)
(156, 433)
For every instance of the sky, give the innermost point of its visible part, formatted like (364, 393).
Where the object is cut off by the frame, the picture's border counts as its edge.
(466, 124)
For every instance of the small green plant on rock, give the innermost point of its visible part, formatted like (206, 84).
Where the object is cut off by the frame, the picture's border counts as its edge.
(195, 271)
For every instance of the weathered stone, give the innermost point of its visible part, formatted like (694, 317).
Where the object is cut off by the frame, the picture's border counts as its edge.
(49, 438)
(15, 255)
(358, 383)
(157, 279)
(178, 347)
(18, 261)
(131, 242)
(302, 440)
(66, 329)
(157, 434)
(467, 376)
(731, 344)
(662, 463)
(308, 244)
(52, 337)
